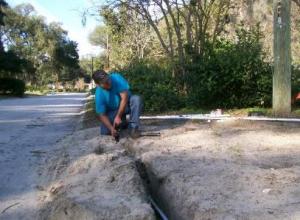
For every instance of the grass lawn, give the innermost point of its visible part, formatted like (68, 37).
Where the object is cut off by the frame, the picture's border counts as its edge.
(90, 120)
(36, 93)
(243, 112)
(263, 111)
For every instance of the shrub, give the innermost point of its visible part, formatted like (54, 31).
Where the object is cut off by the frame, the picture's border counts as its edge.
(233, 74)
(35, 88)
(155, 84)
(295, 79)
(12, 86)
(230, 74)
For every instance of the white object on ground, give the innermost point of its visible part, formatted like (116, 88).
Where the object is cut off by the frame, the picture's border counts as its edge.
(221, 117)
(266, 191)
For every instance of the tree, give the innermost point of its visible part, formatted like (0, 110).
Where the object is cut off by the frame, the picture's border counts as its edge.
(101, 37)
(66, 61)
(53, 56)
(88, 64)
(10, 64)
(282, 58)
(184, 29)
(3, 7)
(125, 36)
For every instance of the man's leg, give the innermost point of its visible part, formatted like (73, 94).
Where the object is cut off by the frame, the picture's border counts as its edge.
(136, 106)
(103, 129)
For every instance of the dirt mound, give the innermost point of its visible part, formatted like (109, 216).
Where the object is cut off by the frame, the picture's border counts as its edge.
(231, 170)
(93, 178)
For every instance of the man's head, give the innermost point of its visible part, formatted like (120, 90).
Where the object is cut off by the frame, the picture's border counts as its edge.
(102, 79)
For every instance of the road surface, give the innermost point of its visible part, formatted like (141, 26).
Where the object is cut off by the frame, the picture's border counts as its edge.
(29, 128)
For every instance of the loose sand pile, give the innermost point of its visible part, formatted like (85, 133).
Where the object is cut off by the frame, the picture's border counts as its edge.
(93, 178)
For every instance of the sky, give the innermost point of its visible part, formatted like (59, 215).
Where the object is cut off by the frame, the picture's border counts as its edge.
(67, 12)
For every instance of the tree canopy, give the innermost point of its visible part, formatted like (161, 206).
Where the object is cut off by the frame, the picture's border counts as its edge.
(40, 52)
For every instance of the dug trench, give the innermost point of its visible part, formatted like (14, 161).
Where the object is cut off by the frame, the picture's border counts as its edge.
(195, 170)
(92, 177)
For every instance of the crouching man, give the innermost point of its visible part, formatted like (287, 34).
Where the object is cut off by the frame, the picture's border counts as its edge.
(113, 101)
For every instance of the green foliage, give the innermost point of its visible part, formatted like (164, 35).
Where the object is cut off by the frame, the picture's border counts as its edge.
(204, 69)
(89, 64)
(12, 86)
(155, 84)
(35, 88)
(231, 75)
(11, 64)
(93, 91)
(99, 36)
(295, 79)
(39, 53)
(124, 35)
(3, 5)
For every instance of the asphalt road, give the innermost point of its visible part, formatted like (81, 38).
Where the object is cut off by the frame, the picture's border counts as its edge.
(29, 129)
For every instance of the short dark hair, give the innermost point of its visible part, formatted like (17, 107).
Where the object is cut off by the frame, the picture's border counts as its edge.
(100, 76)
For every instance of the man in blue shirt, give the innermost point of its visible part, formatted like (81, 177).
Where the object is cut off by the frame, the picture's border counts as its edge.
(113, 101)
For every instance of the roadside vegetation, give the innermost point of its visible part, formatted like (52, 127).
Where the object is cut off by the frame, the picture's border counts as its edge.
(193, 55)
(89, 118)
(38, 53)
(185, 57)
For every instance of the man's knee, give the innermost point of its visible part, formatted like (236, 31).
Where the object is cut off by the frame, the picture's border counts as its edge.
(136, 100)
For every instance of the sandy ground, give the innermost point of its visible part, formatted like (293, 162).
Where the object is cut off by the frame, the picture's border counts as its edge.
(29, 129)
(195, 170)
(225, 170)
(92, 177)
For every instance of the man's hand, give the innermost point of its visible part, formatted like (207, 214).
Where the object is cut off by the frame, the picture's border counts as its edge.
(113, 132)
(122, 108)
(117, 121)
(105, 120)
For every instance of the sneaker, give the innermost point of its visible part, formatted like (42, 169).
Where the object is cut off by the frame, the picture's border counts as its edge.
(134, 133)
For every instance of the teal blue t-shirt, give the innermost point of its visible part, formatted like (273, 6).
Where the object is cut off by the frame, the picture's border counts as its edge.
(109, 100)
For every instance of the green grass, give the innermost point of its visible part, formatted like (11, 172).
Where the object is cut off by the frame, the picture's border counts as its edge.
(297, 112)
(90, 120)
(182, 111)
(247, 111)
(265, 111)
(233, 112)
(37, 92)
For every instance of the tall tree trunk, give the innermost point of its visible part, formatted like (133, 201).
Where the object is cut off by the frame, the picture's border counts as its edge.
(169, 28)
(282, 58)
(177, 29)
